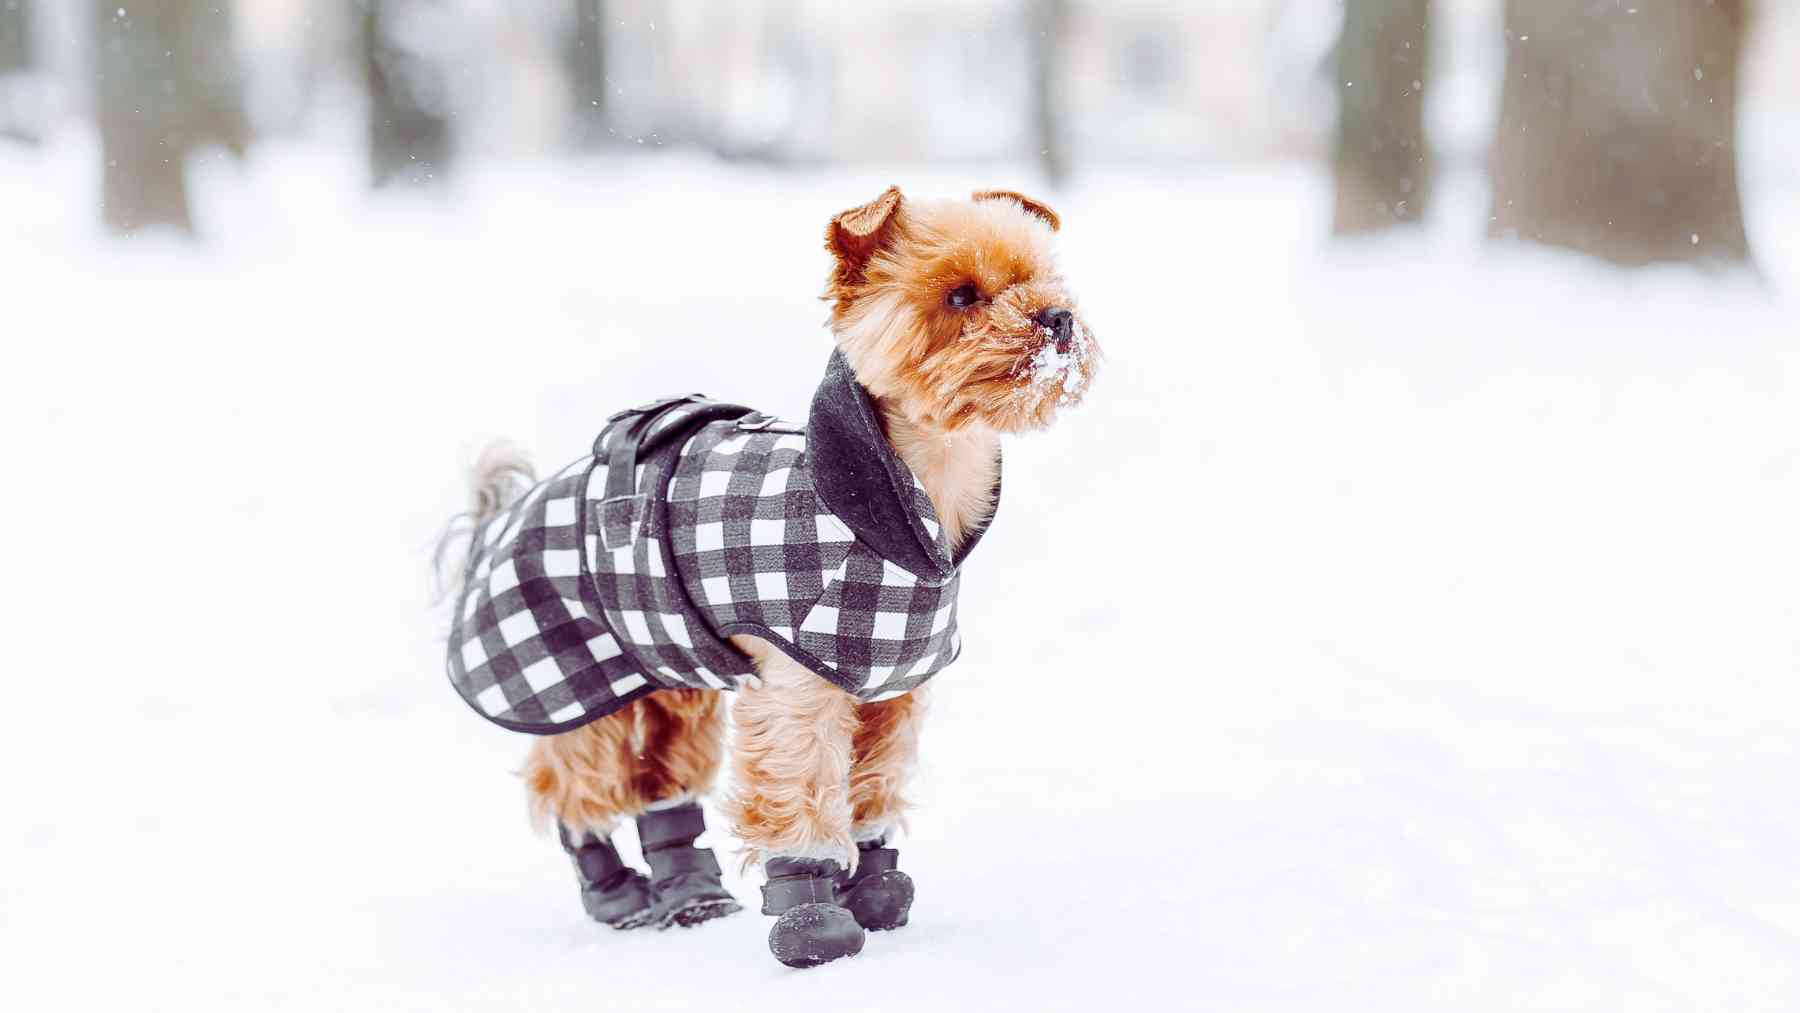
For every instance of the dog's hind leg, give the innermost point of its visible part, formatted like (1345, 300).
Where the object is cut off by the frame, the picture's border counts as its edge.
(584, 780)
(649, 760)
(682, 747)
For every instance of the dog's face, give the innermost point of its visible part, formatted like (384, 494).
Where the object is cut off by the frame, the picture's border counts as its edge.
(953, 312)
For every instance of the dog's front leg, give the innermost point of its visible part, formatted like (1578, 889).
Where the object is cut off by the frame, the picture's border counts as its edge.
(791, 797)
(883, 755)
(790, 805)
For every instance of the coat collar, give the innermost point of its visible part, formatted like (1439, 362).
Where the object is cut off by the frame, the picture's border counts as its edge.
(858, 477)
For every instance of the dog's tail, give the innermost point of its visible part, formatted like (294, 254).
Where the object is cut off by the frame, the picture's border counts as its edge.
(500, 474)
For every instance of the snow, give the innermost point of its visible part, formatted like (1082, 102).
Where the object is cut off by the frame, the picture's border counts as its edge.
(1057, 366)
(1408, 625)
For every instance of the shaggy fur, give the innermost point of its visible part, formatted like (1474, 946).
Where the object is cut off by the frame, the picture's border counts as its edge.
(661, 747)
(791, 762)
(500, 474)
(939, 367)
(814, 770)
(882, 754)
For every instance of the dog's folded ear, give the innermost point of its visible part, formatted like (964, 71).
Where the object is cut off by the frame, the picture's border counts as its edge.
(1032, 207)
(855, 235)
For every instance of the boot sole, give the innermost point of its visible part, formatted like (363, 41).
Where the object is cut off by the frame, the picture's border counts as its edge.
(700, 911)
(687, 916)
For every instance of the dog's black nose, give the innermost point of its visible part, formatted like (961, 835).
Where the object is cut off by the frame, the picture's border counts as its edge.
(1060, 323)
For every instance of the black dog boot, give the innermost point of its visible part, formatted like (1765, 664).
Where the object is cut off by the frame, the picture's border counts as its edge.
(879, 894)
(612, 892)
(684, 880)
(812, 928)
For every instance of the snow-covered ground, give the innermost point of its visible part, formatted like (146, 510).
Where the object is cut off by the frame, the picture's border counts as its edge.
(1424, 619)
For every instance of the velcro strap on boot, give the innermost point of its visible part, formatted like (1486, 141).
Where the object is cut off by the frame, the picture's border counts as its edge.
(666, 862)
(792, 891)
(663, 827)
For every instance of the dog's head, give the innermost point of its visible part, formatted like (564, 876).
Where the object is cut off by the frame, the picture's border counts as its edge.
(953, 312)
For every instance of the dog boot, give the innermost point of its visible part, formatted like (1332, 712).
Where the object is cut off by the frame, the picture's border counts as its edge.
(812, 928)
(611, 891)
(879, 894)
(684, 880)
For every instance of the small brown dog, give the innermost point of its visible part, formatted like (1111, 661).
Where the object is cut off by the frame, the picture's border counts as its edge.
(957, 328)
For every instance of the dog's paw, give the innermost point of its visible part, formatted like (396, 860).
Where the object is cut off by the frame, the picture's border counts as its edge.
(812, 934)
(881, 901)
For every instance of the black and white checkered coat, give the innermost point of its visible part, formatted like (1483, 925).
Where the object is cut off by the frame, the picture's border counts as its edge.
(594, 589)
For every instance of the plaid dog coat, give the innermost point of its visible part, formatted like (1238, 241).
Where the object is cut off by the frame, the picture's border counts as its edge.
(691, 521)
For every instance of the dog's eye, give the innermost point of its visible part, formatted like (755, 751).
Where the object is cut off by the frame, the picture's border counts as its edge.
(963, 296)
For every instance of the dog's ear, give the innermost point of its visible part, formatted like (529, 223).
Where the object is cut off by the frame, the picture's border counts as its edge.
(1032, 207)
(855, 236)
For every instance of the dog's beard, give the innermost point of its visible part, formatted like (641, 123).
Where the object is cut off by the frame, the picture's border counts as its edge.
(1018, 393)
(1005, 374)
(1013, 377)
(1053, 378)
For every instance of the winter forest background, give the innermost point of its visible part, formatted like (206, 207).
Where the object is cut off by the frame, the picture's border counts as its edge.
(1455, 339)
(798, 84)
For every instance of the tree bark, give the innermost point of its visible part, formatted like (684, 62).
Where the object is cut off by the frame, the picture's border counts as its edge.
(165, 84)
(16, 59)
(409, 127)
(1382, 162)
(15, 36)
(1617, 133)
(587, 71)
(1047, 24)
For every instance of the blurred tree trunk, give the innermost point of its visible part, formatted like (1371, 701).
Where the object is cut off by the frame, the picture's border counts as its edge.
(166, 84)
(1047, 31)
(15, 36)
(409, 126)
(1383, 164)
(1617, 132)
(16, 60)
(587, 71)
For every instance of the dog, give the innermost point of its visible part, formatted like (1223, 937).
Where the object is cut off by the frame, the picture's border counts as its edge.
(703, 546)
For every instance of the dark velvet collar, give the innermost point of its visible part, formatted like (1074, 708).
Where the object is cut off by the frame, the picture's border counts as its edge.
(858, 477)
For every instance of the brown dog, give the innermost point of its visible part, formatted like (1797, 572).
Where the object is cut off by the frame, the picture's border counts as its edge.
(953, 317)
